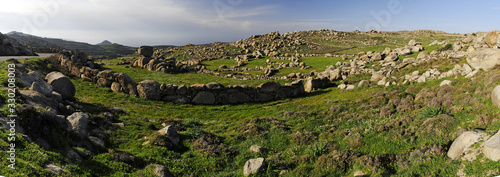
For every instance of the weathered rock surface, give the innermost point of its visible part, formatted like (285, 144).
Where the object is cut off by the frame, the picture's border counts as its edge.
(464, 141)
(171, 133)
(485, 58)
(491, 147)
(149, 89)
(79, 122)
(38, 99)
(495, 96)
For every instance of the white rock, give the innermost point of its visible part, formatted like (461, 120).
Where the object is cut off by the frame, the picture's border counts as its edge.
(350, 87)
(495, 96)
(464, 141)
(342, 86)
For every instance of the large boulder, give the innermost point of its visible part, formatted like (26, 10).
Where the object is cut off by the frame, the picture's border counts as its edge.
(423, 55)
(485, 58)
(61, 84)
(204, 97)
(254, 166)
(79, 122)
(128, 85)
(149, 89)
(464, 141)
(491, 147)
(171, 134)
(495, 96)
(146, 51)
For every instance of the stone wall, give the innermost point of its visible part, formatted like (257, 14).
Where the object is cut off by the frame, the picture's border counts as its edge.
(77, 64)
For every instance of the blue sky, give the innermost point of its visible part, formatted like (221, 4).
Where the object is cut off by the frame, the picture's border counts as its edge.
(153, 22)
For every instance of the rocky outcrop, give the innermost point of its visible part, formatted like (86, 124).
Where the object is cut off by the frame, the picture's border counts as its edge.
(485, 59)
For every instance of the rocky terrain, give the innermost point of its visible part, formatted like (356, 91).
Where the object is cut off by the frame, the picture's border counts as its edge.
(318, 103)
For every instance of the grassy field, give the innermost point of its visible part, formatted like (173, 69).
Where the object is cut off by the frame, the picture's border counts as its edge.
(302, 135)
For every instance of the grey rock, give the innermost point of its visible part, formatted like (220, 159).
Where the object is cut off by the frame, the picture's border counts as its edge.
(149, 89)
(204, 97)
(79, 122)
(146, 51)
(96, 141)
(38, 100)
(42, 87)
(268, 87)
(171, 133)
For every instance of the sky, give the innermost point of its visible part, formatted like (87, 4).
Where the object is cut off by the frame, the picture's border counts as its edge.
(178, 22)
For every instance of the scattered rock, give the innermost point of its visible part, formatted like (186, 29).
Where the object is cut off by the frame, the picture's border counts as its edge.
(54, 169)
(350, 87)
(162, 171)
(491, 147)
(253, 166)
(171, 133)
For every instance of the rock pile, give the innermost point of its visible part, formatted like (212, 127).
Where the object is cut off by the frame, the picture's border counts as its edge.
(157, 64)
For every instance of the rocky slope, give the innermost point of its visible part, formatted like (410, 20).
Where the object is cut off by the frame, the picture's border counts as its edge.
(11, 47)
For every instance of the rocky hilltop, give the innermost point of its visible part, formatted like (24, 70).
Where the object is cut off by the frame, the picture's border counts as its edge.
(11, 47)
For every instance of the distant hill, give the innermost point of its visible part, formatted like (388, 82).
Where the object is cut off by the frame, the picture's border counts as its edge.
(41, 44)
(35, 43)
(105, 42)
